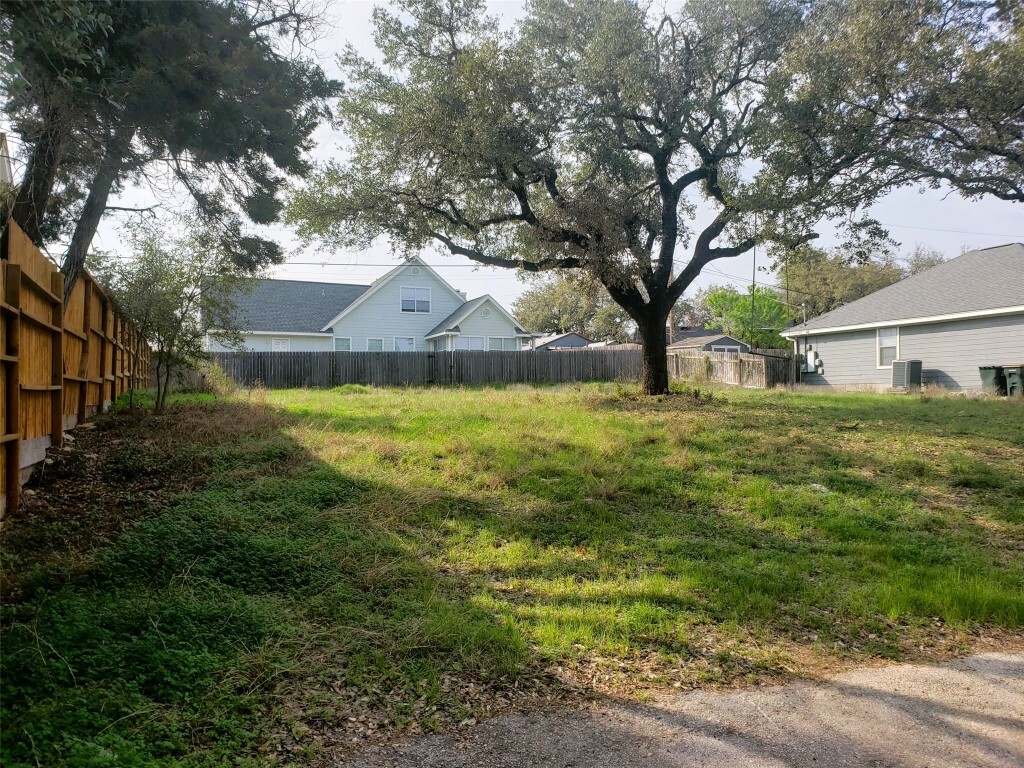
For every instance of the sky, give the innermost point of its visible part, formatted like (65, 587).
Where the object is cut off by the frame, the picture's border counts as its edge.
(938, 219)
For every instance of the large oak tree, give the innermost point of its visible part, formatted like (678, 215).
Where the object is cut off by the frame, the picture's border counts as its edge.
(602, 135)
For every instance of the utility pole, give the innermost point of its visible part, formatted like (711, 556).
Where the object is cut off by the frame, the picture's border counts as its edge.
(753, 288)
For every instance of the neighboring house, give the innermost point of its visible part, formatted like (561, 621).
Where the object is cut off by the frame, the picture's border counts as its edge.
(957, 316)
(707, 341)
(411, 308)
(569, 340)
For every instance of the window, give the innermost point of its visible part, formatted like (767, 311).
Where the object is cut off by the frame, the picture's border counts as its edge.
(416, 300)
(280, 345)
(888, 346)
(341, 344)
(415, 271)
(375, 345)
(486, 313)
(497, 343)
(405, 344)
(731, 350)
(473, 343)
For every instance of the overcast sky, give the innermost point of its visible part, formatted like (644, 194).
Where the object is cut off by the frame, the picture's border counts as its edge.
(944, 221)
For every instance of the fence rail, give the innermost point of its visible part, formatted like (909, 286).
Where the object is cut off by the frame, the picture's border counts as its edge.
(331, 369)
(61, 362)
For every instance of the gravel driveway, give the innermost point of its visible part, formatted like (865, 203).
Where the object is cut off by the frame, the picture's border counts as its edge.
(968, 712)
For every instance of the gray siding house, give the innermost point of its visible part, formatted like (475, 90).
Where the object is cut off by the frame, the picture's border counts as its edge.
(410, 309)
(955, 317)
(708, 341)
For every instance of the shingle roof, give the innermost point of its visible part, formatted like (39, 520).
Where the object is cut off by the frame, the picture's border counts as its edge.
(988, 279)
(292, 306)
(543, 341)
(698, 337)
(448, 324)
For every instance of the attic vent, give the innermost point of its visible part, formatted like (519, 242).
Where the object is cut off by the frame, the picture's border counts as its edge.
(415, 271)
(486, 313)
(906, 374)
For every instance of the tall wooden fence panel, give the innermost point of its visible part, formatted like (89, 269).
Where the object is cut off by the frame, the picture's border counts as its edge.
(330, 369)
(61, 362)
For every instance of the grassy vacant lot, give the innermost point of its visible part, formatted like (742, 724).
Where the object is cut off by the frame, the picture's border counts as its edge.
(273, 575)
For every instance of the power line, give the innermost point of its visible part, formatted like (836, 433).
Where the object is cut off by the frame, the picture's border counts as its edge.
(954, 231)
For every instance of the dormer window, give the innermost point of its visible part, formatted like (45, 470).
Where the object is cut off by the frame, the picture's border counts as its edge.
(416, 300)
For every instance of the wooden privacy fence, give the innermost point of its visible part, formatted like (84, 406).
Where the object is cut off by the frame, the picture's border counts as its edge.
(331, 369)
(61, 363)
(753, 370)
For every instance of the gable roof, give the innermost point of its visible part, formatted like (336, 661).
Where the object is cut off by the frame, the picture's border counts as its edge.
(291, 306)
(978, 283)
(380, 282)
(700, 336)
(546, 341)
(451, 323)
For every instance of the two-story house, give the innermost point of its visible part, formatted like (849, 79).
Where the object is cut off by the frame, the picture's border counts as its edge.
(411, 308)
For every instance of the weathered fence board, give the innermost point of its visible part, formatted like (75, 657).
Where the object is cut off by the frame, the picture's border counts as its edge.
(279, 370)
(61, 362)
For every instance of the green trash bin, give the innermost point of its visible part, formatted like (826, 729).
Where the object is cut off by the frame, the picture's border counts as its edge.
(992, 380)
(1014, 375)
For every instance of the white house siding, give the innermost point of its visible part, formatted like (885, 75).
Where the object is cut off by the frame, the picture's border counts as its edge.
(262, 342)
(497, 325)
(950, 352)
(380, 315)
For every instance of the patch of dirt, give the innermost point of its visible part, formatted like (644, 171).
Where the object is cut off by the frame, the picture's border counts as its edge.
(111, 472)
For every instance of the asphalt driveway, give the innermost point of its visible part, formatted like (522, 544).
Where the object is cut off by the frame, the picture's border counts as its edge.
(968, 712)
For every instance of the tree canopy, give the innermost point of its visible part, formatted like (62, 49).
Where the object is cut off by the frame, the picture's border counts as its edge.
(604, 135)
(756, 316)
(197, 94)
(818, 281)
(566, 302)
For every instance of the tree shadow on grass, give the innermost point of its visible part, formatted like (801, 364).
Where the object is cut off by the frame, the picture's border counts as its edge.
(278, 596)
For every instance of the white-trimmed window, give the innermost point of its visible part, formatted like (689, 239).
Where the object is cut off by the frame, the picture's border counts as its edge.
(405, 344)
(342, 344)
(888, 346)
(416, 300)
(375, 345)
(501, 343)
(280, 345)
(731, 350)
(472, 343)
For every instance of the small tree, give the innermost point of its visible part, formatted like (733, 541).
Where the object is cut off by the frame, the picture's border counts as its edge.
(176, 288)
(756, 319)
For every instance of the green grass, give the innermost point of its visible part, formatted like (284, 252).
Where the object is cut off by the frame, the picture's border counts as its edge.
(407, 555)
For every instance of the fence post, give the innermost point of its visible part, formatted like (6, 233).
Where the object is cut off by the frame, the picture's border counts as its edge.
(12, 384)
(57, 362)
(83, 362)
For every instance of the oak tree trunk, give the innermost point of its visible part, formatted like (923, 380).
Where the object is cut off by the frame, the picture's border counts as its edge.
(654, 379)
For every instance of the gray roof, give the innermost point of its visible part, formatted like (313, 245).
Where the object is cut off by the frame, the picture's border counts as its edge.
(448, 324)
(292, 306)
(699, 337)
(543, 341)
(989, 279)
